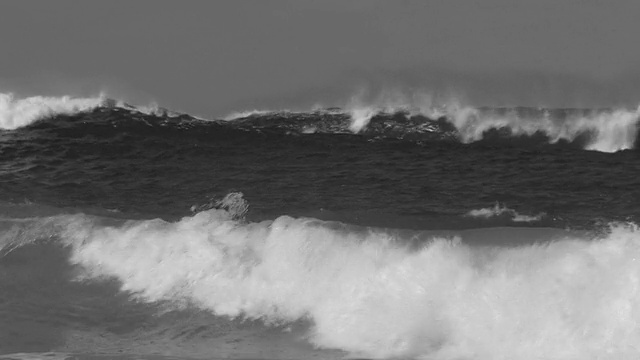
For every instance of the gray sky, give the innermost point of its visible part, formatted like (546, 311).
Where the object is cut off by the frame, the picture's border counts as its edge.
(213, 57)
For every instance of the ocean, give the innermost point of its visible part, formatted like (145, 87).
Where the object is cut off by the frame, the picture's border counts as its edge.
(369, 232)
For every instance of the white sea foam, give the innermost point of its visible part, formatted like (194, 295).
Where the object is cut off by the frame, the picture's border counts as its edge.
(501, 210)
(368, 293)
(15, 113)
(608, 131)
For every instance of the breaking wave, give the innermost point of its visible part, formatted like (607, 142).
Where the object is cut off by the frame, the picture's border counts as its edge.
(605, 130)
(375, 292)
(20, 112)
(15, 113)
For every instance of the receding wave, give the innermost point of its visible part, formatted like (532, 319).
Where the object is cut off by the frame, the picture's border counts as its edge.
(375, 292)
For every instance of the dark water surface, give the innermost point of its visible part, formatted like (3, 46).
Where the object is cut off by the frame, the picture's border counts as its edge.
(155, 167)
(295, 235)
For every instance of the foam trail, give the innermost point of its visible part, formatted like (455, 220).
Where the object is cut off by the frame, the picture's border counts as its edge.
(371, 293)
(501, 210)
(15, 113)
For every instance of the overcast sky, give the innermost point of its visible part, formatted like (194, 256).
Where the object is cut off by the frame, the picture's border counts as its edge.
(213, 57)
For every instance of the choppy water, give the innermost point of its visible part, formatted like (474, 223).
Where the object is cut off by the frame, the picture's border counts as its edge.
(465, 233)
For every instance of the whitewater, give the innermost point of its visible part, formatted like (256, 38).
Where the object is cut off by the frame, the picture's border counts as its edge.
(383, 231)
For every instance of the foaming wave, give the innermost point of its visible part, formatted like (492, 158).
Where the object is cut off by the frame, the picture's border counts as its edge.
(607, 130)
(15, 113)
(501, 210)
(375, 293)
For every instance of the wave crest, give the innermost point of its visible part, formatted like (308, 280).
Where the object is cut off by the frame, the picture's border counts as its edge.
(599, 130)
(15, 113)
(19, 112)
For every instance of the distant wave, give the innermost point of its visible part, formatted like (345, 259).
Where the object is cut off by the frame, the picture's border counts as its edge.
(374, 292)
(500, 210)
(20, 112)
(605, 130)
